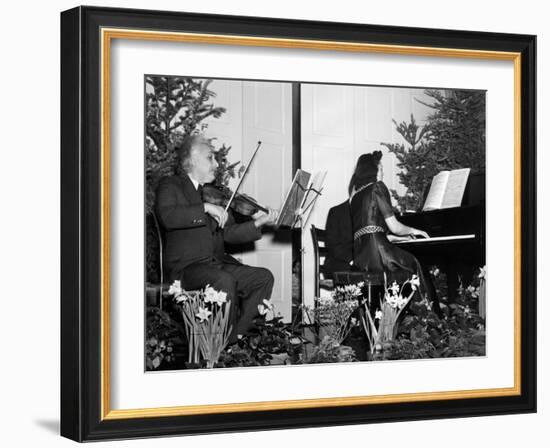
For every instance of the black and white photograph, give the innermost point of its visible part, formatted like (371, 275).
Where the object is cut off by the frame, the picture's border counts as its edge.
(292, 223)
(279, 224)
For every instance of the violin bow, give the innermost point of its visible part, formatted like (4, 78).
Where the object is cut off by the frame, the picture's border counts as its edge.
(243, 176)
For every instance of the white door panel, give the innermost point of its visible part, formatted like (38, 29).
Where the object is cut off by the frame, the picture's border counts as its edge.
(327, 145)
(267, 118)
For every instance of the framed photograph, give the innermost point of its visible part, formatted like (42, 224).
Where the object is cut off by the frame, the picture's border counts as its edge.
(275, 224)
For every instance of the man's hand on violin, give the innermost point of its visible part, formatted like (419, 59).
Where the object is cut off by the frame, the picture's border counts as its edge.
(262, 218)
(217, 212)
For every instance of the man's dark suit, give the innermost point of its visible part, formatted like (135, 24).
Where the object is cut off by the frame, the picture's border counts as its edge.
(195, 250)
(339, 239)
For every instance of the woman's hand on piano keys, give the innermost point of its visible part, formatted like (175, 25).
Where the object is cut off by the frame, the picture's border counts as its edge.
(415, 233)
(396, 239)
(400, 229)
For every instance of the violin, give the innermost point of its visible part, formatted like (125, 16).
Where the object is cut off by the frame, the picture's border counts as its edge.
(241, 203)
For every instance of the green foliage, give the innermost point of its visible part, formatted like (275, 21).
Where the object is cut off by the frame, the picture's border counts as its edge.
(330, 351)
(163, 335)
(266, 339)
(226, 170)
(416, 162)
(175, 107)
(453, 137)
(242, 356)
(457, 128)
(177, 104)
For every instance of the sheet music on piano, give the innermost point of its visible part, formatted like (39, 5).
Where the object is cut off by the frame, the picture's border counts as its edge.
(447, 189)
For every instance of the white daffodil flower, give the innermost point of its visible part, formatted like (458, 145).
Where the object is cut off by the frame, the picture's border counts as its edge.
(401, 301)
(394, 288)
(210, 294)
(203, 314)
(175, 288)
(221, 298)
(482, 272)
(262, 310)
(181, 298)
(415, 282)
(378, 314)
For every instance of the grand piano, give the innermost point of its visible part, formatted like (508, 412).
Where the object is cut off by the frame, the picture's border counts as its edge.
(457, 236)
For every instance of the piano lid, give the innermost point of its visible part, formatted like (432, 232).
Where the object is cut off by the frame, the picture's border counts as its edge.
(475, 190)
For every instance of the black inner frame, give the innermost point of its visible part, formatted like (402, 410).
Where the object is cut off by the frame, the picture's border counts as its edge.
(81, 220)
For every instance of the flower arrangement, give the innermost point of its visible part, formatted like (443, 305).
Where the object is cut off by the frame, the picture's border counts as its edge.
(391, 306)
(332, 314)
(458, 332)
(206, 321)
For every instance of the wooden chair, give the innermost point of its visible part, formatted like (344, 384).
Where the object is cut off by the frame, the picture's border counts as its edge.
(372, 280)
(156, 293)
(318, 237)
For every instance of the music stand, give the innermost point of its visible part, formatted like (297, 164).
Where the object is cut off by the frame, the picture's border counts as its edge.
(298, 206)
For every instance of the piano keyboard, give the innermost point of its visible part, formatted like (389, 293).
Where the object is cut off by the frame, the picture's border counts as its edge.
(470, 236)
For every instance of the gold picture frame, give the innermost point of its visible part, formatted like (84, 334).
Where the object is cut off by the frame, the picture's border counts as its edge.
(98, 28)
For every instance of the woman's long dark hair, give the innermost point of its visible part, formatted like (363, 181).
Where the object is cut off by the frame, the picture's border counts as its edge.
(366, 170)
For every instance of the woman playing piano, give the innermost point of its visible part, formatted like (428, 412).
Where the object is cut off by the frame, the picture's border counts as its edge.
(372, 219)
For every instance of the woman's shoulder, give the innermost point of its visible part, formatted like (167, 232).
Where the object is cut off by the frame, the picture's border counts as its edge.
(381, 190)
(380, 186)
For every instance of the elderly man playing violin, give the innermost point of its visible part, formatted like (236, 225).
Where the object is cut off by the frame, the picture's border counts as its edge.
(196, 232)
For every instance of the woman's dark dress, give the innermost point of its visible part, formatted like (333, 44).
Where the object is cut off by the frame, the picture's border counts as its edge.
(372, 251)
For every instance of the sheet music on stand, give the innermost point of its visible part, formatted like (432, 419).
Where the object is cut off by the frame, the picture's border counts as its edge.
(294, 199)
(300, 199)
(313, 192)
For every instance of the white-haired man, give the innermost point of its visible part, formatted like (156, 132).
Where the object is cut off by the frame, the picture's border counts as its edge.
(196, 232)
